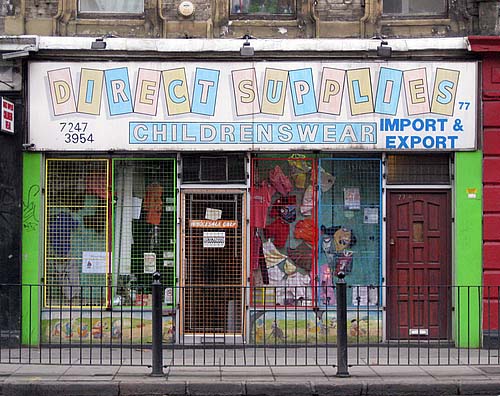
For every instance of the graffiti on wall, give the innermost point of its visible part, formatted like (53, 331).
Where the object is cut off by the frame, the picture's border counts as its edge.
(31, 209)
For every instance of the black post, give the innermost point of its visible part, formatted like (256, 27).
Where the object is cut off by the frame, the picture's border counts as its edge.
(342, 370)
(157, 327)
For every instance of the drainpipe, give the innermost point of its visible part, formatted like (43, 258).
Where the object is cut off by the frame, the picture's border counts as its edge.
(23, 16)
(163, 19)
(210, 28)
(364, 18)
(56, 18)
(315, 17)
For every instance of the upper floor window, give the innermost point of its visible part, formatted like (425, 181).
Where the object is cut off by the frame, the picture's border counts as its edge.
(415, 7)
(111, 6)
(262, 8)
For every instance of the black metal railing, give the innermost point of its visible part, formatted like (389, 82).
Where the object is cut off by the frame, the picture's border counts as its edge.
(221, 325)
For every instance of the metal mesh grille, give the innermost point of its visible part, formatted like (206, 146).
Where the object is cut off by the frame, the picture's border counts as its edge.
(283, 231)
(76, 250)
(213, 263)
(418, 169)
(144, 234)
(349, 220)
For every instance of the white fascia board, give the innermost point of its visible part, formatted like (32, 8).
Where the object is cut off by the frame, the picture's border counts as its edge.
(262, 45)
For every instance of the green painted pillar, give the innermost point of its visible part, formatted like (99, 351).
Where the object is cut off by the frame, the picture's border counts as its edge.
(468, 248)
(31, 251)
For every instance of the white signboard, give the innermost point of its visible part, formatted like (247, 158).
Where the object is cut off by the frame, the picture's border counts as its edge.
(292, 105)
(214, 239)
(94, 262)
(7, 123)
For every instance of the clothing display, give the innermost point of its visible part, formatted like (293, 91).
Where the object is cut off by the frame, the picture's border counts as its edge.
(153, 203)
(279, 181)
(278, 231)
(305, 230)
(261, 200)
(307, 202)
(272, 255)
(326, 282)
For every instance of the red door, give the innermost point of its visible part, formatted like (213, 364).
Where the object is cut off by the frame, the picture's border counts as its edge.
(418, 257)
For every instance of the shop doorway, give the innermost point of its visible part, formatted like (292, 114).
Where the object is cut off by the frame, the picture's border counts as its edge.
(213, 263)
(418, 272)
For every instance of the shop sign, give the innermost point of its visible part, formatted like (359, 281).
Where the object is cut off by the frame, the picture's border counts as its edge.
(7, 123)
(213, 223)
(329, 105)
(214, 239)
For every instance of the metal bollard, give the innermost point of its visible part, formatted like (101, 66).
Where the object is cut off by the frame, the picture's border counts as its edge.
(342, 369)
(157, 358)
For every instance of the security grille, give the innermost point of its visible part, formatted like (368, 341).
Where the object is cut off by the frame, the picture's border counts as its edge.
(213, 265)
(77, 224)
(144, 223)
(283, 231)
(83, 227)
(349, 229)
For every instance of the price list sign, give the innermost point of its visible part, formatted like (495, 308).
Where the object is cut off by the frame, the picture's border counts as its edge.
(7, 124)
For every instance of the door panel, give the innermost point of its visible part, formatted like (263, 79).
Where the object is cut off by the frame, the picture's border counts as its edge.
(418, 256)
(213, 263)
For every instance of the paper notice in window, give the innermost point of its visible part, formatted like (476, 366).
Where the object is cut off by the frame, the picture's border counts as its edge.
(213, 214)
(94, 262)
(370, 216)
(214, 239)
(149, 263)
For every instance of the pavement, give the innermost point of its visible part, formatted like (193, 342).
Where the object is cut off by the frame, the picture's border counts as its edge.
(19, 379)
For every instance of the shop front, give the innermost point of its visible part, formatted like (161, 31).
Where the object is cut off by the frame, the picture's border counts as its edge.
(249, 187)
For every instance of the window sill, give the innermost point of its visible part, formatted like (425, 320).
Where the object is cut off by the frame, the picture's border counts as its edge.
(264, 22)
(413, 21)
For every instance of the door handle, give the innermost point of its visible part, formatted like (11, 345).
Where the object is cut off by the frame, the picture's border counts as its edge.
(391, 241)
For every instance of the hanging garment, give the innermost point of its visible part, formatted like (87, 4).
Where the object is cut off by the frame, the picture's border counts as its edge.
(305, 230)
(326, 180)
(285, 207)
(343, 263)
(59, 233)
(153, 203)
(260, 202)
(272, 255)
(278, 231)
(326, 289)
(307, 202)
(301, 256)
(279, 181)
(300, 169)
(328, 248)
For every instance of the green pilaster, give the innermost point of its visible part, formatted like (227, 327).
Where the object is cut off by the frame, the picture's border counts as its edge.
(31, 252)
(468, 248)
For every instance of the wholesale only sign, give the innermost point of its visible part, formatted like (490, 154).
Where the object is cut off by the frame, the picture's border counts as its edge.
(330, 105)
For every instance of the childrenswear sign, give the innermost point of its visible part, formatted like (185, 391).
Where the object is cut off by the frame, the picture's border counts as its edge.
(258, 106)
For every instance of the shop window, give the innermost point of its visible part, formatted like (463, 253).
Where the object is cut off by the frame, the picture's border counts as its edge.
(349, 218)
(213, 169)
(111, 6)
(144, 229)
(77, 224)
(104, 240)
(415, 7)
(418, 169)
(283, 231)
(262, 8)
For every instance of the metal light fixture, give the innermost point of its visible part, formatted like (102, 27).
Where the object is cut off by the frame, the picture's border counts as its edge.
(98, 44)
(382, 51)
(246, 49)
